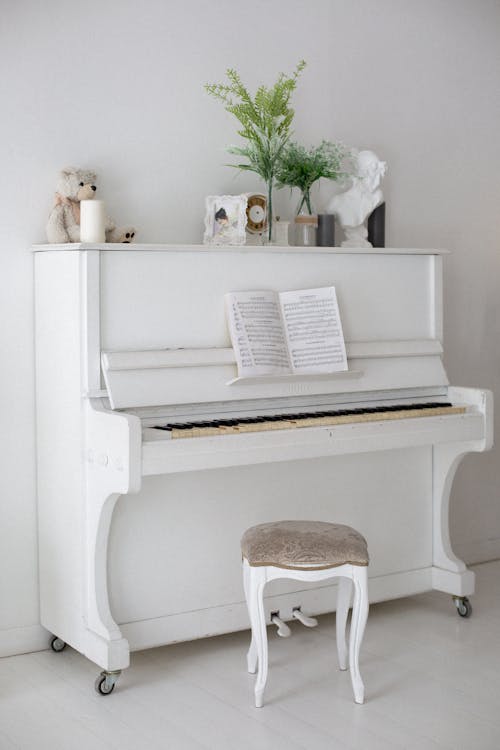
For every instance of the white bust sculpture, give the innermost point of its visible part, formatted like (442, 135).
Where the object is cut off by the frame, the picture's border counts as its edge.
(354, 205)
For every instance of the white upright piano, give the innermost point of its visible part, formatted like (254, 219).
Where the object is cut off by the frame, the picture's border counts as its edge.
(139, 527)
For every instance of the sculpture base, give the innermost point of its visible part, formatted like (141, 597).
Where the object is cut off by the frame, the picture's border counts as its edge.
(356, 237)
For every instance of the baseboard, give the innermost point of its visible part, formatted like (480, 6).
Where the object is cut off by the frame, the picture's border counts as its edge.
(477, 551)
(23, 640)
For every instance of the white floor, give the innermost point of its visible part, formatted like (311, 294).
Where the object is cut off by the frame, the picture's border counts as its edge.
(432, 681)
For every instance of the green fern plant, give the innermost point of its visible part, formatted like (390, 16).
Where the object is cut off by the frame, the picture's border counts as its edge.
(300, 167)
(265, 121)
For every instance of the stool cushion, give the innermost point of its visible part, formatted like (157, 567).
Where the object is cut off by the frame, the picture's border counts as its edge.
(303, 545)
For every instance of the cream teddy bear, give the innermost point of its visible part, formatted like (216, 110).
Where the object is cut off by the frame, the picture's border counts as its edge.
(75, 185)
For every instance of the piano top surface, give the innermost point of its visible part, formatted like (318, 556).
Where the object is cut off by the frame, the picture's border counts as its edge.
(247, 249)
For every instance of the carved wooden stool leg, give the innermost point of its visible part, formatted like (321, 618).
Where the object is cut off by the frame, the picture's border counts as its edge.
(252, 650)
(257, 581)
(358, 622)
(343, 602)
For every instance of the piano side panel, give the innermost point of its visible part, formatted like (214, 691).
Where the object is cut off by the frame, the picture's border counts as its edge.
(176, 298)
(60, 475)
(175, 549)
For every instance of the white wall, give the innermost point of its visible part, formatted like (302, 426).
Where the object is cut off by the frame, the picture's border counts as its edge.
(119, 85)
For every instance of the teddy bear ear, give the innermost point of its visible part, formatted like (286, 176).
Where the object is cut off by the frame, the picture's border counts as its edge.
(67, 171)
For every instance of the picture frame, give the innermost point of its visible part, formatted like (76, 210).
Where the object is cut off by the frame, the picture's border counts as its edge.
(225, 220)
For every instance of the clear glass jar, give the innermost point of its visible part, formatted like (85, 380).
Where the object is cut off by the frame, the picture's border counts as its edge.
(305, 230)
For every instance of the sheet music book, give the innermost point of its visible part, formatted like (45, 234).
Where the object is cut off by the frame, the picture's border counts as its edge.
(285, 333)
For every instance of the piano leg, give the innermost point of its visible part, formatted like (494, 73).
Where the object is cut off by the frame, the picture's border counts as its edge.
(105, 643)
(112, 469)
(449, 574)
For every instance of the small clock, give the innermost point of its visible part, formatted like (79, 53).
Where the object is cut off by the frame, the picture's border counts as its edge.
(256, 213)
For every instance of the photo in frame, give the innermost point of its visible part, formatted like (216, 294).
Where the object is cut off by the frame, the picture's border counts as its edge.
(225, 220)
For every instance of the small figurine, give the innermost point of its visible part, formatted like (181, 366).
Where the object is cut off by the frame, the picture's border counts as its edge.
(352, 207)
(75, 185)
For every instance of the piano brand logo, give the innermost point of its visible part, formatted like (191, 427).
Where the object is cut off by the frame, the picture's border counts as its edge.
(297, 389)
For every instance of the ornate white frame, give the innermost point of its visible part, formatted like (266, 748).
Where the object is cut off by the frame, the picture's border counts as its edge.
(235, 206)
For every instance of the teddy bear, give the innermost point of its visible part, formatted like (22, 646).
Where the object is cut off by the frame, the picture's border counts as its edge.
(75, 185)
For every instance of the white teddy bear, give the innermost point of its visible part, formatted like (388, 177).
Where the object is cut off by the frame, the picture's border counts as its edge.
(75, 185)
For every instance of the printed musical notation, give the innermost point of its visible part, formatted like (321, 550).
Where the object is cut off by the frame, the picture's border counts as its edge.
(286, 332)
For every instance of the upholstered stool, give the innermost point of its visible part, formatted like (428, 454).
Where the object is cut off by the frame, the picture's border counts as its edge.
(306, 551)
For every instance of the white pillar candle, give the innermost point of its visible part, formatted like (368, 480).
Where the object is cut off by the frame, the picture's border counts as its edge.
(92, 221)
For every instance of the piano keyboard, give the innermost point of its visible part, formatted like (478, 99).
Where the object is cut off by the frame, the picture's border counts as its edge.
(238, 426)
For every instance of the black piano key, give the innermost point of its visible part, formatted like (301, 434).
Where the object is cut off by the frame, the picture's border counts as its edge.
(250, 420)
(227, 422)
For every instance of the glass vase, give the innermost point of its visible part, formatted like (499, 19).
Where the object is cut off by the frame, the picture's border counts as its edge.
(304, 205)
(306, 223)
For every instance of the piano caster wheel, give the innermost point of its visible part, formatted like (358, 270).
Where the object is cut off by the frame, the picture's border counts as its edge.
(105, 682)
(57, 644)
(463, 605)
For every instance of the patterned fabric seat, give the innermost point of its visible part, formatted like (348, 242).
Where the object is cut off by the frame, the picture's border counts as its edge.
(303, 545)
